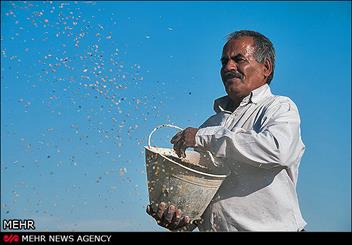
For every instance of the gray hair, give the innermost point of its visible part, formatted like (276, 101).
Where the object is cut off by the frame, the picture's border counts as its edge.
(264, 48)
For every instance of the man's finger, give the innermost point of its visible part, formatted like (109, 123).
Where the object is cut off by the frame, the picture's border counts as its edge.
(184, 221)
(176, 219)
(196, 222)
(169, 214)
(183, 151)
(177, 147)
(149, 210)
(180, 149)
(176, 138)
(160, 211)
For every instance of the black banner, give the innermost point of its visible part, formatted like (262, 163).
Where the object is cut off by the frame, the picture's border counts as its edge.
(146, 237)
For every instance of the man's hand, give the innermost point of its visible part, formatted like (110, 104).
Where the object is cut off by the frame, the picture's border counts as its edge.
(168, 217)
(184, 139)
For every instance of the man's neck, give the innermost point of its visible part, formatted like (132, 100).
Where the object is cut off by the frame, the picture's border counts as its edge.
(235, 102)
(232, 105)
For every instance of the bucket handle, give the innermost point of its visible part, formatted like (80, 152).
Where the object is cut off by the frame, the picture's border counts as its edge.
(180, 129)
(161, 126)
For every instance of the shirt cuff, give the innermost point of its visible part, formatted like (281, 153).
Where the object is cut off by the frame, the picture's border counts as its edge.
(204, 135)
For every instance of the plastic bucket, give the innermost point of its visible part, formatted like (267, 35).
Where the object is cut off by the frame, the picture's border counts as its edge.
(176, 181)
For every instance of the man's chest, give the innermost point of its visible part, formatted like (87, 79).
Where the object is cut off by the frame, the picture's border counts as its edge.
(247, 117)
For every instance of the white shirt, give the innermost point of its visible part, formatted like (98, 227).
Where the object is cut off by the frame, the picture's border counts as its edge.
(260, 142)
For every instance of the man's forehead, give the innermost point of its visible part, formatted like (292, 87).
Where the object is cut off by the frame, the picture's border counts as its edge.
(242, 45)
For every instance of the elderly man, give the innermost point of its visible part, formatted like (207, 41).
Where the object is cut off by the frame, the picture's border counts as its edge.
(257, 136)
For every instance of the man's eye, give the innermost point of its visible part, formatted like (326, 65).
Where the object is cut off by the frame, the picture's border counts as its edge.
(239, 59)
(223, 62)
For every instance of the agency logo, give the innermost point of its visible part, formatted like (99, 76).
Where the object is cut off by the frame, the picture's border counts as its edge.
(18, 224)
(11, 238)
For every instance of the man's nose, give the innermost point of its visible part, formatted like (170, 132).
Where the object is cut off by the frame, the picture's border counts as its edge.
(229, 66)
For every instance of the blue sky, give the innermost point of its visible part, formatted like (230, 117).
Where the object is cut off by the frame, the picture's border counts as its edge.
(84, 83)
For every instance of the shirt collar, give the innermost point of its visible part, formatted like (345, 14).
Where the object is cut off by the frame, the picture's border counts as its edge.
(255, 96)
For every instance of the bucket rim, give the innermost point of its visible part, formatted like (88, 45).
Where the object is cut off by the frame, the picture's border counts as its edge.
(150, 148)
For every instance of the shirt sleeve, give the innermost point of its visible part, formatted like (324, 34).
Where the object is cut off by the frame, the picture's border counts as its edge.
(276, 143)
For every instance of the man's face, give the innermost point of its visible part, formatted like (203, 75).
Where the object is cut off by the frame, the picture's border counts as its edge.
(240, 72)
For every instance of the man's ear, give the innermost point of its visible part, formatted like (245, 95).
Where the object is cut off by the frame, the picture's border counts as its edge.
(268, 67)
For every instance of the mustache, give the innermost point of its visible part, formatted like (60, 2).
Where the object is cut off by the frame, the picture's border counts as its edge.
(233, 74)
